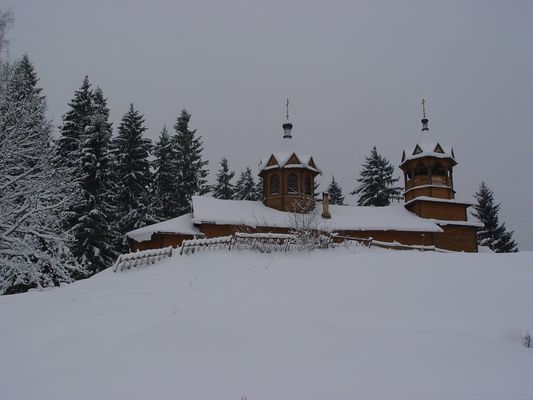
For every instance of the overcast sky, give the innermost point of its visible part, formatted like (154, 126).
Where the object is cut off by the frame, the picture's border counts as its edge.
(355, 73)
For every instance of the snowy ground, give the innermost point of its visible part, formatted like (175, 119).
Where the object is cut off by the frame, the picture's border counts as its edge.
(330, 325)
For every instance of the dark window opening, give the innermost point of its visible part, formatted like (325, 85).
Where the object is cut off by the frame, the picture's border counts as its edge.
(292, 184)
(274, 184)
(420, 169)
(438, 169)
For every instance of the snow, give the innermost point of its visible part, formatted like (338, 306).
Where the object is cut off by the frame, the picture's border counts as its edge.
(327, 325)
(438, 200)
(254, 213)
(180, 225)
(428, 145)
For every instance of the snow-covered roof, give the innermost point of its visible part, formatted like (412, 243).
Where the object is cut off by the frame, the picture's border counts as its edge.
(181, 225)
(285, 150)
(427, 147)
(437, 200)
(255, 213)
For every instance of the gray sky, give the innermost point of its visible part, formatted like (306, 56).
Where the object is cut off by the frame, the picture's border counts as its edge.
(355, 73)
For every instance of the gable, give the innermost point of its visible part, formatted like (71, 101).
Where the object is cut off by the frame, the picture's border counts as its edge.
(312, 163)
(272, 161)
(403, 156)
(438, 149)
(293, 160)
(417, 150)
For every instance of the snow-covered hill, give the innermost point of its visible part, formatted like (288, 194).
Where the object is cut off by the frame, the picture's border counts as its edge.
(329, 325)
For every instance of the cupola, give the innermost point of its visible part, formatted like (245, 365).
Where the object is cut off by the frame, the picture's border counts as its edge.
(288, 175)
(428, 166)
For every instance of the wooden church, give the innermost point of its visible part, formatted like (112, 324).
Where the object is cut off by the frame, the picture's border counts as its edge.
(429, 216)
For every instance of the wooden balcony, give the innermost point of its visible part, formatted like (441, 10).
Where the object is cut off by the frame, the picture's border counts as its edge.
(428, 180)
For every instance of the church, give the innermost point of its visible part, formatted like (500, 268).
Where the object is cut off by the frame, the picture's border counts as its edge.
(429, 214)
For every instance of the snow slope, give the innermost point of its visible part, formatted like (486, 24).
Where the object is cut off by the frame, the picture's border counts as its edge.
(329, 325)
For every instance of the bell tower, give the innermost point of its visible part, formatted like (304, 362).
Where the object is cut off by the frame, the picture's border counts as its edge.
(428, 176)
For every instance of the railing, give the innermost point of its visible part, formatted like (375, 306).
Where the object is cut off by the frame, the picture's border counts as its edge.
(139, 258)
(194, 245)
(427, 180)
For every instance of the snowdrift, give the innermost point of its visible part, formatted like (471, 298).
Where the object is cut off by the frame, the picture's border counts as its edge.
(327, 325)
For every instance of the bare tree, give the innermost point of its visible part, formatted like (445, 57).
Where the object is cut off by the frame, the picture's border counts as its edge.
(305, 224)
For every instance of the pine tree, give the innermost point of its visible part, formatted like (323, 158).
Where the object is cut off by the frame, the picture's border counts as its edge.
(259, 188)
(164, 183)
(75, 122)
(93, 232)
(335, 193)
(192, 172)
(132, 176)
(224, 189)
(494, 235)
(376, 184)
(33, 251)
(246, 188)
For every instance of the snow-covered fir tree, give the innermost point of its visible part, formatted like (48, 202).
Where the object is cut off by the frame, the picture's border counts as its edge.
(335, 193)
(494, 235)
(132, 176)
(259, 188)
(376, 182)
(93, 232)
(246, 188)
(224, 188)
(33, 250)
(164, 191)
(75, 122)
(192, 172)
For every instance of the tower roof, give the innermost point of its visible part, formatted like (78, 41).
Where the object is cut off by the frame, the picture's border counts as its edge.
(427, 145)
(287, 155)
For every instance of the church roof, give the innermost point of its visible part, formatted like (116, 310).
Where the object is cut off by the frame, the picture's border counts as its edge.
(181, 225)
(254, 213)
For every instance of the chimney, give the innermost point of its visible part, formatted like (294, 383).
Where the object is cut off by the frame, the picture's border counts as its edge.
(325, 206)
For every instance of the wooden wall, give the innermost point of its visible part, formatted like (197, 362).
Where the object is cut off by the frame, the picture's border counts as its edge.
(159, 240)
(439, 210)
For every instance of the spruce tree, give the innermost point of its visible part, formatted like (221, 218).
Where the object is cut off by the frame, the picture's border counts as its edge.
(335, 193)
(246, 188)
(33, 250)
(75, 122)
(132, 176)
(376, 183)
(164, 183)
(493, 235)
(223, 188)
(93, 232)
(259, 188)
(192, 172)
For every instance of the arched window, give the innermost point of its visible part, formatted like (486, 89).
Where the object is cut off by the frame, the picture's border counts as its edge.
(420, 169)
(438, 169)
(274, 184)
(292, 183)
(308, 186)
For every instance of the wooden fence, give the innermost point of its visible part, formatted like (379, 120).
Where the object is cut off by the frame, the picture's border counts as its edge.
(139, 258)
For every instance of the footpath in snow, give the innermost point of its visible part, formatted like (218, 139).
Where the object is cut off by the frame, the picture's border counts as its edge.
(327, 325)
